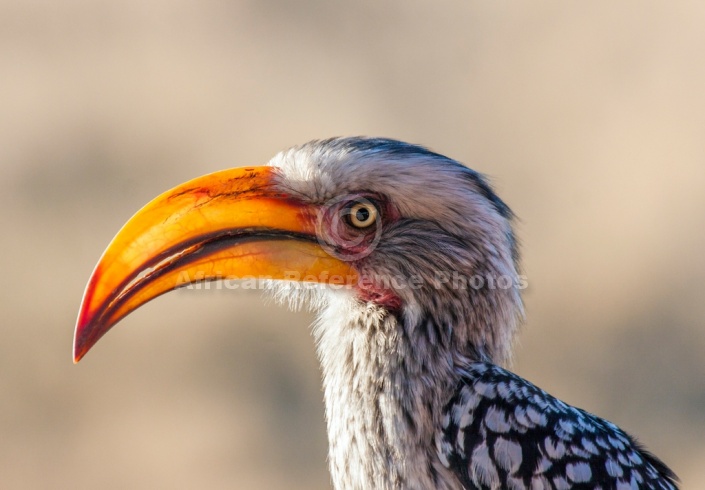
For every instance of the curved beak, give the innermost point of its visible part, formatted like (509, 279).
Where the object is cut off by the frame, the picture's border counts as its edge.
(229, 224)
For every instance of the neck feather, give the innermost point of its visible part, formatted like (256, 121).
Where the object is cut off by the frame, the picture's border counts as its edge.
(385, 383)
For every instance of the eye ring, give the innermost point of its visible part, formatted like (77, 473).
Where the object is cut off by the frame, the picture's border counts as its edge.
(363, 214)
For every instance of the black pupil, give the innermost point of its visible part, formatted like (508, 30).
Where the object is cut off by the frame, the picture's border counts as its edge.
(362, 215)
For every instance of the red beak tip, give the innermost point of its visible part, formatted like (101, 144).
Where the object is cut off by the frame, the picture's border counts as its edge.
(81, 344)
(77, 353)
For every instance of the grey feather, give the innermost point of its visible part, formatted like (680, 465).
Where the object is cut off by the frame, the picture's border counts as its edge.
(414, 398)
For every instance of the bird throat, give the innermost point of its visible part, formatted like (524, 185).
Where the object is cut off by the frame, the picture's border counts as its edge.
(384, 389)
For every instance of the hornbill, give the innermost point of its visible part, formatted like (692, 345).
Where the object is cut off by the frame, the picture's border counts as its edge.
(418, 295)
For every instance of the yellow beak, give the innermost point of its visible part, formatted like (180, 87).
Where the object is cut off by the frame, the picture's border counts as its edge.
(229, 224)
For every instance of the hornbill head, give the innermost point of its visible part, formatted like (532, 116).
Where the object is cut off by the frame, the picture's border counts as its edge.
(387, 227)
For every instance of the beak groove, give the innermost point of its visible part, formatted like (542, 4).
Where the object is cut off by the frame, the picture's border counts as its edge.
(231, 224)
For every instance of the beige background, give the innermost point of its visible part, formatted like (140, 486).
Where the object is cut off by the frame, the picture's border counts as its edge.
(589, 117)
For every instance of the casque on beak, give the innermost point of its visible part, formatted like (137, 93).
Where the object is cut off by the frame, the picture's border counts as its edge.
(233, 223)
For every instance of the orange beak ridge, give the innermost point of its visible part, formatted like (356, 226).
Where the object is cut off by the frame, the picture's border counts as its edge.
(230, 224)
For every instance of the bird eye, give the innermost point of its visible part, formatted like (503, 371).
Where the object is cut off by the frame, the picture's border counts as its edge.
(363, 214)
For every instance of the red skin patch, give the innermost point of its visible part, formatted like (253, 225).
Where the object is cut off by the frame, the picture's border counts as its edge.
(385, 298)
(350, 242)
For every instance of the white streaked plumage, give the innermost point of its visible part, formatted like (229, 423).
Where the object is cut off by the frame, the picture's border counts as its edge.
(414, 395)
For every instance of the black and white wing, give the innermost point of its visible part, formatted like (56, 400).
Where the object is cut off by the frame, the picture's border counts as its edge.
(500, 431)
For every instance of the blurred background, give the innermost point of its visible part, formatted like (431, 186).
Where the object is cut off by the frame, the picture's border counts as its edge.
(588, 116)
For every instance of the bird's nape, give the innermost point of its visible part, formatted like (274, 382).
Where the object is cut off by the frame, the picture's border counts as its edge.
(419, 301)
